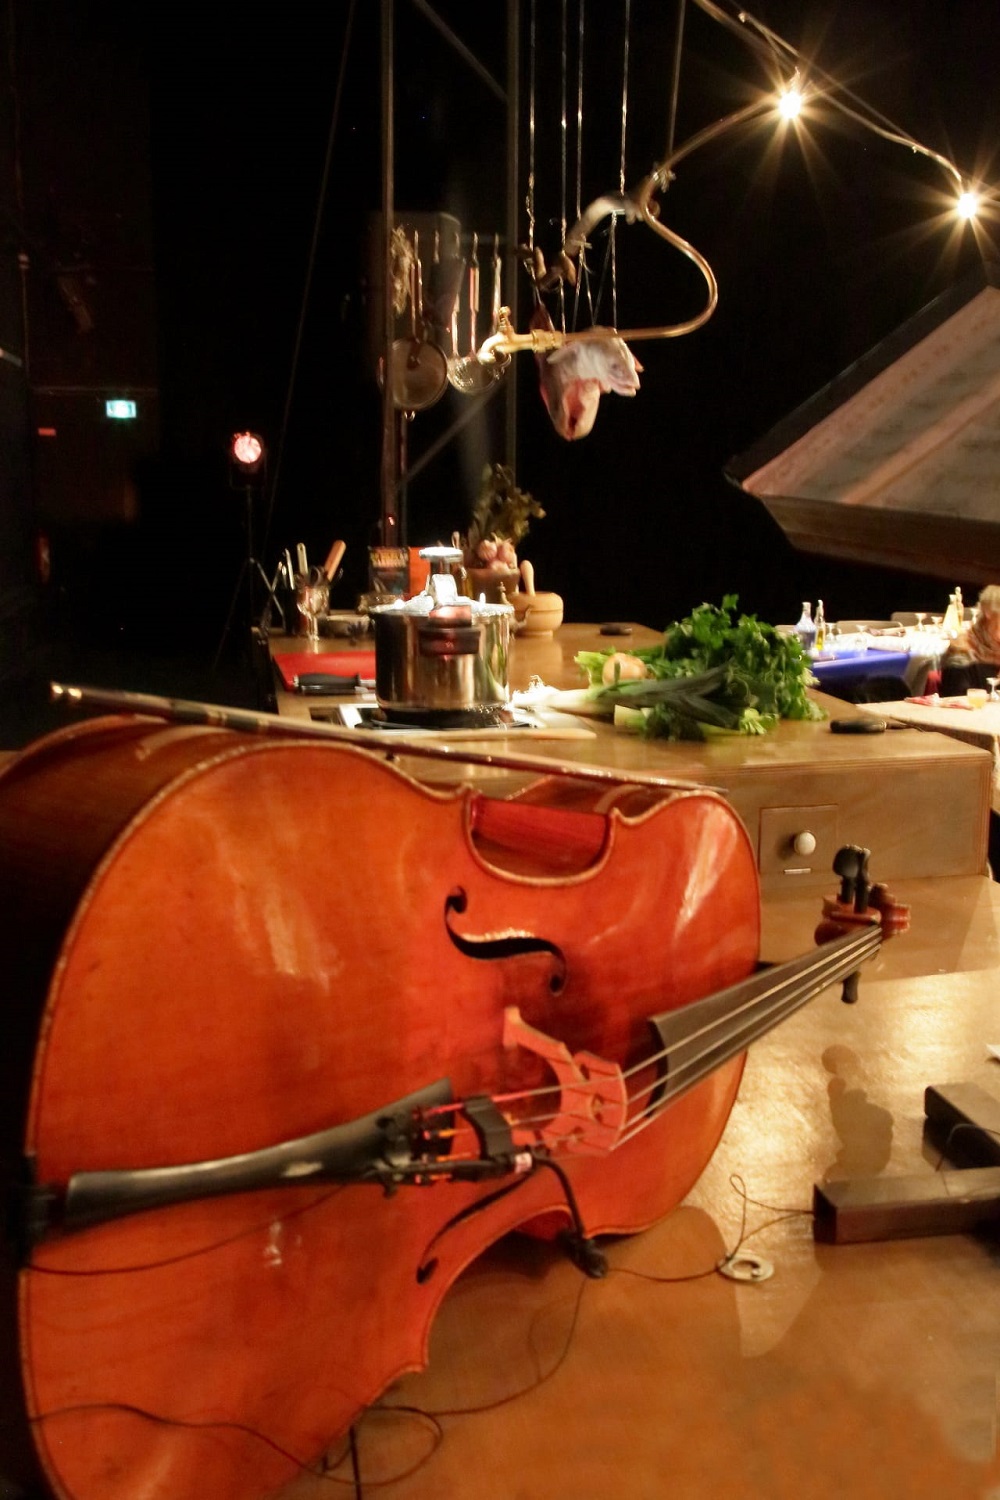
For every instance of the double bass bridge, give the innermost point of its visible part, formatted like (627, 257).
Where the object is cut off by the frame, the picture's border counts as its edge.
(593, 1102)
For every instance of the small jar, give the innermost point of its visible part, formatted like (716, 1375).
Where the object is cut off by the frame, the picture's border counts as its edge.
(448, 560)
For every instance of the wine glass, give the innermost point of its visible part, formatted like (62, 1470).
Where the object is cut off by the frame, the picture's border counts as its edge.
(920, 615)
(991, 683)
(312, 595)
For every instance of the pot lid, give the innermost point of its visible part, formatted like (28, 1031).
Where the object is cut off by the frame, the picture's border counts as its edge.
(896, 460)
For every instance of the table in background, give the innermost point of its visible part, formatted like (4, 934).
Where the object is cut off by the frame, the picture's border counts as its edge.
(909, 656)
(971, 726)
(854, 666)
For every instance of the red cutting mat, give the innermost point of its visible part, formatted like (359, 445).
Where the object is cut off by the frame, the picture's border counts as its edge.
(337, 663)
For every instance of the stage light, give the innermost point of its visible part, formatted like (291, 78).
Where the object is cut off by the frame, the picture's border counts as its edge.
(967, 206)
(246, 450)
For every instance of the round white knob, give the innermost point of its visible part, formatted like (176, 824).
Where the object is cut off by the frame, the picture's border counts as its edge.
(804, 843)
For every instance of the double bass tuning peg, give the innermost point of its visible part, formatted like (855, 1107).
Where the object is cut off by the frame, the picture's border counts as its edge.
(859, 904)
(851, 864)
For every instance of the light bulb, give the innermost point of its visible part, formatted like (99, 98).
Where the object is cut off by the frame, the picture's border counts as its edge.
(247, 449)
(790, 98)
(790, 104)
(967, 206)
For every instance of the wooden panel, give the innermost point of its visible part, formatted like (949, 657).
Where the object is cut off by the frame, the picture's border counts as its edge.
(895, 460)
(918, 816)
(927, 544)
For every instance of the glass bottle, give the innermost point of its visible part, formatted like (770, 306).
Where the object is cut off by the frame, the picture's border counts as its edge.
(805, 629)
(952, 622)
(820, 626)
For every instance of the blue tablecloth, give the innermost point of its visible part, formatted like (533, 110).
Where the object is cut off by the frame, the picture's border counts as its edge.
(861, 664)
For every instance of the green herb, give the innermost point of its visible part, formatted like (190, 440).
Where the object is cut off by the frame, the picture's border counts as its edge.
(713, 674)
(502, 512)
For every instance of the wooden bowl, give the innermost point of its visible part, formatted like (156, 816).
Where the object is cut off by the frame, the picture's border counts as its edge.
(537, 614)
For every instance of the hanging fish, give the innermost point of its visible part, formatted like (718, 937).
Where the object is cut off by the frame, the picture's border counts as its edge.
(574, 377)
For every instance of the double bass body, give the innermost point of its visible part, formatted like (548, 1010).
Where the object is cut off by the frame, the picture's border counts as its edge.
(216, 943)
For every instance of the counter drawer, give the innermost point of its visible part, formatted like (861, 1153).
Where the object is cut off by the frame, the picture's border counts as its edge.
(926, 818)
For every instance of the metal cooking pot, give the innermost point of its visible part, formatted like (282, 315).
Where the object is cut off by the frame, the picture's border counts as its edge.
(439, 654)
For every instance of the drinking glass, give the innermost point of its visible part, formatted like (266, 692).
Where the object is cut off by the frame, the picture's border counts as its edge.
(312, 595)
(991, 683)
(921, 616)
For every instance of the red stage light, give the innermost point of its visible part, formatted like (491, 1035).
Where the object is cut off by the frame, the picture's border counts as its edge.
(247, 450)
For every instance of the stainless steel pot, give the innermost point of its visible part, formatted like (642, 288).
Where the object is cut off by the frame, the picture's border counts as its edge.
(439, 654)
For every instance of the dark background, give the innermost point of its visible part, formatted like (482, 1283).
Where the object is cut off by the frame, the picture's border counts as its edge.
(190, 199)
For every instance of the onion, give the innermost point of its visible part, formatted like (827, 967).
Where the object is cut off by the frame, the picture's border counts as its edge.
(621, 666)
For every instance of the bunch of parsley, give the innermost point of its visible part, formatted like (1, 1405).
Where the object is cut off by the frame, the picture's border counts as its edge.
(713, 672)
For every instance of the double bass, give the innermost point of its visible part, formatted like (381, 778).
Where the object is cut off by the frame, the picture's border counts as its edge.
(292, 1038)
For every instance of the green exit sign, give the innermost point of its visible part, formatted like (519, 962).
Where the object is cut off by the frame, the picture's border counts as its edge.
(121, 411)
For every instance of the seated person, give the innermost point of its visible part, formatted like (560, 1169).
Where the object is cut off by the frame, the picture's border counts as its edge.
(973, 655)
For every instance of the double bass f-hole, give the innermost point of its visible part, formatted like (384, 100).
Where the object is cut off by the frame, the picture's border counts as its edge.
(501, 945)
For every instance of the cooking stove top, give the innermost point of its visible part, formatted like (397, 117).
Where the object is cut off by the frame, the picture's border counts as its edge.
(370, 716)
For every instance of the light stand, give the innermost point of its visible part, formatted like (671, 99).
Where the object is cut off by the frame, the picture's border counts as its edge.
(247, 460)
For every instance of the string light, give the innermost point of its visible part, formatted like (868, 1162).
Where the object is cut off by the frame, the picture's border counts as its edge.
(790, 100)
(778, 56)
(968, 204)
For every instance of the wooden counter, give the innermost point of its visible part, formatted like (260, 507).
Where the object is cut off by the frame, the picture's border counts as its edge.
(919, 801)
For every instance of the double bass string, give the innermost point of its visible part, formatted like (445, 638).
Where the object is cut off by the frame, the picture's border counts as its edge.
(720, 1037)
(757, 1015)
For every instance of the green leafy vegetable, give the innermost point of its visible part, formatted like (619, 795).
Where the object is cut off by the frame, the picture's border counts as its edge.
(713, 673)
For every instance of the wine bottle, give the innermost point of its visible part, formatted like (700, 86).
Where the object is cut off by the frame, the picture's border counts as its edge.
(820, 626)
(805, 629)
